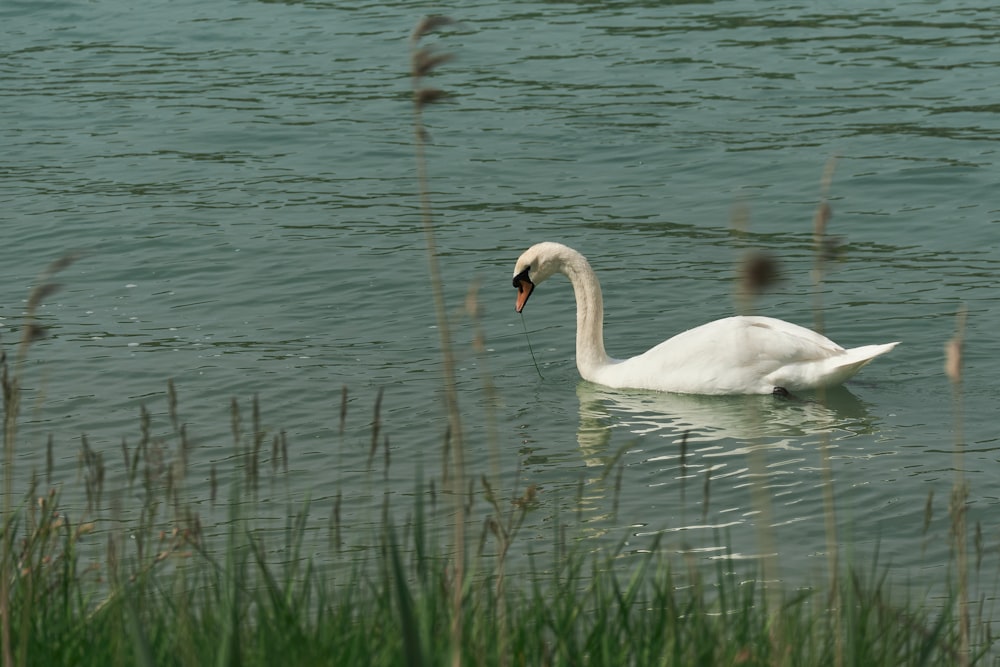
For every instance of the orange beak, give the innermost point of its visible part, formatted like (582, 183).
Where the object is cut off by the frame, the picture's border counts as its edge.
(524, 287)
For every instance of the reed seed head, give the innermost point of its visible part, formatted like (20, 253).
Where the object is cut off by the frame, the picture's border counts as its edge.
(429, 24)
(759, 272)
(423, 61)
(953, 360)
(953, 349)
(425, 96)
(64, 262)
(426, 61)
(41, 293)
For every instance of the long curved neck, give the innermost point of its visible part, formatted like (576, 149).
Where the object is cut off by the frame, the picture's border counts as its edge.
(590, 354)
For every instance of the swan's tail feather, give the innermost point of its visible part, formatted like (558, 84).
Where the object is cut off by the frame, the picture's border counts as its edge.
(860, 356)
(854, 360)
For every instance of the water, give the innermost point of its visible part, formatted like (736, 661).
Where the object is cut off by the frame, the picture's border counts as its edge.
(240, 177)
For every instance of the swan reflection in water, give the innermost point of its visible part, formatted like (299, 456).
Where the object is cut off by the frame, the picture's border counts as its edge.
(679, 463)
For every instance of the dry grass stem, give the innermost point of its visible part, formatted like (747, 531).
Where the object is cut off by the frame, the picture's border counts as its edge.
(422, 62)
(960, 491)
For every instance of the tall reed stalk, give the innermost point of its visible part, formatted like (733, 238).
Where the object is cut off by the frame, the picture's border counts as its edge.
(423, 61)
(758, 272)
(821, 252)
(960, 491)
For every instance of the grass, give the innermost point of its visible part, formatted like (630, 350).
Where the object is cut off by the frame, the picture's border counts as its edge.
(252, 597)
(155, 583)
(150, 584)
(173, 598)
(145, 583)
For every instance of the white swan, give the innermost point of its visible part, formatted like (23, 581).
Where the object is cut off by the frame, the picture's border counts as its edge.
(735, 355)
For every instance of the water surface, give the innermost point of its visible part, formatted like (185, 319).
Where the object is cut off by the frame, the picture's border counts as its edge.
(240, 177)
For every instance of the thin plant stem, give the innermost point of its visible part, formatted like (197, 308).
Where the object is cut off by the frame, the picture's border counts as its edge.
(757, 272)
(422, 62)
(960, 491)
(820, 220)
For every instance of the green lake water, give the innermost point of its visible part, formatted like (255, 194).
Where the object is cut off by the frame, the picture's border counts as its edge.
(240, 178)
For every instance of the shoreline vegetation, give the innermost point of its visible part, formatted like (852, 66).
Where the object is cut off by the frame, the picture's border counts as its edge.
(163, 582)
(151, 584)
(136, 578)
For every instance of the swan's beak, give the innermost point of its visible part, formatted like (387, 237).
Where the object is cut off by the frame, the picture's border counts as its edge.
(524, 287)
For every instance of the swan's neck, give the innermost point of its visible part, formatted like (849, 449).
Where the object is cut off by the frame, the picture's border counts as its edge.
(590, 354)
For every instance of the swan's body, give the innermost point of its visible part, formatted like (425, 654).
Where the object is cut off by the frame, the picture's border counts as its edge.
(735, 355)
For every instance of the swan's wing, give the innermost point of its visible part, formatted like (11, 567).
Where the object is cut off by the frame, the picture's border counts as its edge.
(785, 342)
(745, 341)
(733, 356)
(804, 359)
(728, 356)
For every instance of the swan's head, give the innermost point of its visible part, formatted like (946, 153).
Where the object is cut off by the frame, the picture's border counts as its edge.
(535, 265)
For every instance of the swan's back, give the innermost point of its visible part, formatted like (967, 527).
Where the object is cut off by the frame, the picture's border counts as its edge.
(741, 355)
